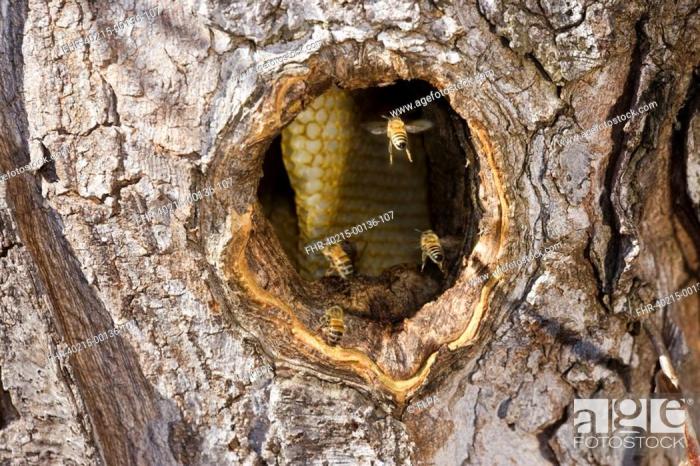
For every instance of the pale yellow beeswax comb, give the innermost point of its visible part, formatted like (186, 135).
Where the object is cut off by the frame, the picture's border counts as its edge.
(341, 177)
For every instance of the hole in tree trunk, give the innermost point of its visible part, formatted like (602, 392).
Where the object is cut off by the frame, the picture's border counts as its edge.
(308, 169)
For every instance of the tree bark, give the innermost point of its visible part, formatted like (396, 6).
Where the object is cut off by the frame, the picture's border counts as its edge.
(223, 364)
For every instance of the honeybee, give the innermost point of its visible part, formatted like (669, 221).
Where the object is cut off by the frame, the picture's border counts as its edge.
(332, 325)
(396, 130)
(431, 248)
(340, 262)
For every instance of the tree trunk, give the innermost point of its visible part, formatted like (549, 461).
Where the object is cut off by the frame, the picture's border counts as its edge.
(223, 360)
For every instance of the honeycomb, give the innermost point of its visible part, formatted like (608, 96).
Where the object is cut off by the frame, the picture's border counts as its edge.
(341, 178)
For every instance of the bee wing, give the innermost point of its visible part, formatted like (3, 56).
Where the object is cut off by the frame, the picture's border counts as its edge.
(417, 126)
(375, 127)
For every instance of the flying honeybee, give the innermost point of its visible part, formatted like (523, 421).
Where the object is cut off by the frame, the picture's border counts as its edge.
(431, 248)
(340, 262)
(397, 132)
(332, 325)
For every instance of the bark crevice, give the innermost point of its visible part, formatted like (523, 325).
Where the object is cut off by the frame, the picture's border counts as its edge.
(612, 211)
(8, 412)
(685, 210)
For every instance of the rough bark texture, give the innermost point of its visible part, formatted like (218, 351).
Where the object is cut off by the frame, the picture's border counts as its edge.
(165, 109)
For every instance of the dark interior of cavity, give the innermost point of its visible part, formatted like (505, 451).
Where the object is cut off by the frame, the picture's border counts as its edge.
(400, 290)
